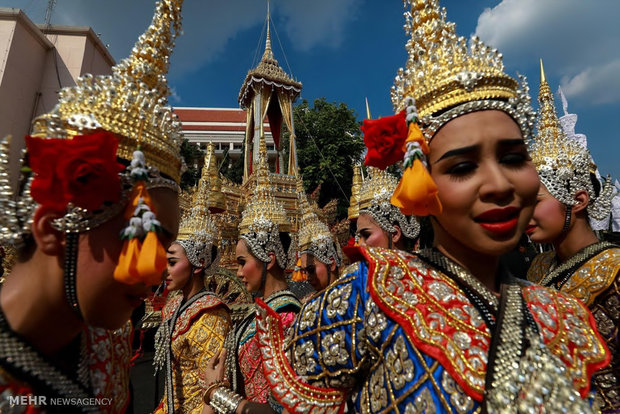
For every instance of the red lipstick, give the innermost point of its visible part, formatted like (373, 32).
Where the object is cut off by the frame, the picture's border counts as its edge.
(530, 229)
(499, 220)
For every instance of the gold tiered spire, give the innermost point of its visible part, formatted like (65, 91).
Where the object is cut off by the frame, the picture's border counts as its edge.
(197, 230)
(446, 79)
(216, 201)
(263, 210)
(314, 236)
(132, 102)
(354, 201)
(563, 164)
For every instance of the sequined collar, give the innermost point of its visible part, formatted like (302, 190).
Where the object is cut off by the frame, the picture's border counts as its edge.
(23, 361)
(560, 273)
(480, 296)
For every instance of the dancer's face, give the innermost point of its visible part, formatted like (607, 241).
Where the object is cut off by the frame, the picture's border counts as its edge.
(370, 234)
(548, 220)
(179, 268)
(487, 183)
(318, 273)
(250, 269)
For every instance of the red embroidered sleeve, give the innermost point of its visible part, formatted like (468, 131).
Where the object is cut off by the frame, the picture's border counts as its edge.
(287, 387)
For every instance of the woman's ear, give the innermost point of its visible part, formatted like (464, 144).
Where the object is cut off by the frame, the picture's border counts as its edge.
(197, 270)
(272, 262)
(397, 235)
(583, 200)
(49, 240)
(332, 265)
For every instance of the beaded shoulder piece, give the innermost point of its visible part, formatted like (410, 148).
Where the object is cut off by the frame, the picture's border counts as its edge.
(594, 276)
(568, 330)
(288, 388)
(540, 267)
(184, 320)
(435, 314)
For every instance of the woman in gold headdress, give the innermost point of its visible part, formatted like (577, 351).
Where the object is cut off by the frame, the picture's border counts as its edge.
(65, 306)
(261, 255)
(380, 223)
(580, 264)
(195, 322)
(445, 329)
(319, 253)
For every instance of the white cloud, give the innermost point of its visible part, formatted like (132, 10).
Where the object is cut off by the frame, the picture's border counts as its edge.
(317, 22)
(580, 38)
(208, 25)
(600, 85)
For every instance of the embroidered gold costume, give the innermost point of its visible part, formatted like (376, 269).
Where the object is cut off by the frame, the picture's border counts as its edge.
(591, 274)
(413, 333)
(198, 330)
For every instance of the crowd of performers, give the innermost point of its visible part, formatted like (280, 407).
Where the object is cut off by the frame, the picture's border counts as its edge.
(421, 315)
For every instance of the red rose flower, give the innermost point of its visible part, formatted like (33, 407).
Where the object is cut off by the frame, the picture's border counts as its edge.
(385, 138)
(82, 170)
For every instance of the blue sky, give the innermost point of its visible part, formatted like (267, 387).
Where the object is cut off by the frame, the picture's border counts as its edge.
(346, 50)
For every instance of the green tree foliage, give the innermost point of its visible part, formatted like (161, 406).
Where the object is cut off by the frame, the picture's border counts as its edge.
(193, 157)
(329, 143)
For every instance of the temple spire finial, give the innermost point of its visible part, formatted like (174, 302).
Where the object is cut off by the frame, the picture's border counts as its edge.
(268, 52)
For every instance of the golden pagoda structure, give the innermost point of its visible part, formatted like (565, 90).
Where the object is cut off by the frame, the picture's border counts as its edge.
(267, 94)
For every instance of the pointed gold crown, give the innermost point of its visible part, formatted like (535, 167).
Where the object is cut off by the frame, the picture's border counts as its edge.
(216, 200)
(354, 201)
(447, 80)
(563, 164)
(263, 211)
(314, 236)
(375, 195)
(132, 102)
(376, 188)
(197, 230)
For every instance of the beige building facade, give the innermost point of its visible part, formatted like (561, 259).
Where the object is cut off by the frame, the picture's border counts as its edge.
(36, 61)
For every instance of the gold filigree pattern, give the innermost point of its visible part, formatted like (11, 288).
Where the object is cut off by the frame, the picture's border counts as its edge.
(399, 365)
(338, 301)
(461, 402)
(438, 322)
(423, 404)
(564, 324)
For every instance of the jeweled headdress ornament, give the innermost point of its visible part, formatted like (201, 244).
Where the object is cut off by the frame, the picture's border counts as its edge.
(442, 80)
(264, 216)
(198, 233)
(131, 102)
(447, 80)
(564, 165)
(374, 200)
(74, 152)
(314, 236)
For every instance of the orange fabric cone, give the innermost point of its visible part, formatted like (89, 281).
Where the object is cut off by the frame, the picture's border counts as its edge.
(416, 193)
(298, 275)
(126, 269)
(139, 191)
(152, 260)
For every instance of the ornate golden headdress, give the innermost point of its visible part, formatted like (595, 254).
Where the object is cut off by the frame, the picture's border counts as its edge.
(314, 236)
(374, 199)
(354, 201)
(132, 102)
(210, 173)
(197, 231)
(264, 216)
(564, 165)
(446, 80)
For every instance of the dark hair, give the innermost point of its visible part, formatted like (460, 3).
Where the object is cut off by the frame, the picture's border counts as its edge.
(426, 232)
(285, 239)
(596, 184)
